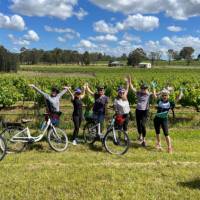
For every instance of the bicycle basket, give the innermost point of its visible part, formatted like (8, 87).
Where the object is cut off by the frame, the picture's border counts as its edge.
(119, 119)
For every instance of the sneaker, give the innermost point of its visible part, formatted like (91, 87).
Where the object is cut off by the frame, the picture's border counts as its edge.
(144, 144)
(74, 142)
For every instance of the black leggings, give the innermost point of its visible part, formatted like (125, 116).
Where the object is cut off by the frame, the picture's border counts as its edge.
(141, 119)
(159, 122)
(77, 123)
(125, 125)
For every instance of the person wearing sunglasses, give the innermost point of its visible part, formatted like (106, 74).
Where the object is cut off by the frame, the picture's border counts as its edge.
(142, 109)
(100, 105)
(164, 105)
(122, 107)
(77, 115)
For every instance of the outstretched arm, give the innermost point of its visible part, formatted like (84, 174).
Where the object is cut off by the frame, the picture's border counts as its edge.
(63, 92)
(71, 94)
(84, 89)
(131, 85)
(89, 90)
(127, 86)
(180, 96)
(39, 91)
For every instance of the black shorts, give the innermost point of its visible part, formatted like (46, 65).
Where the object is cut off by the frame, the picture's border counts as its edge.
(161, 123)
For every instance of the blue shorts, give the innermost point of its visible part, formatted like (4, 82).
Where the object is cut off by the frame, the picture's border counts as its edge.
(99, 117)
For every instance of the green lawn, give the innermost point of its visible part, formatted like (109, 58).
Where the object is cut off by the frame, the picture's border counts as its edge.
(83, 172)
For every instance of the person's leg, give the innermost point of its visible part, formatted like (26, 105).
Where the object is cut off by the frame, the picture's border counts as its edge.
(100, 120)
(166, 133)
(143, 123)
(76, 127)
(138, 121)
(125, 125)
(157, 129)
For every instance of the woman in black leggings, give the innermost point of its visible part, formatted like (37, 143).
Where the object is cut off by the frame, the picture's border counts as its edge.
(78, 111)
(142, 109)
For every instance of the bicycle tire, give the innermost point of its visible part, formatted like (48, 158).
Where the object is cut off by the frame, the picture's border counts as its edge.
(3, 148)
(57, 140)
(13, 147)
(121, 142)
(90, 135)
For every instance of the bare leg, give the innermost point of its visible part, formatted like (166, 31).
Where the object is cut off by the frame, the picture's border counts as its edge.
(169, 144)
(158, 142)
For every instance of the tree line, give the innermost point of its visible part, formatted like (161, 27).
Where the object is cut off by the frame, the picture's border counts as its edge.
(11, 61)
(139, 55)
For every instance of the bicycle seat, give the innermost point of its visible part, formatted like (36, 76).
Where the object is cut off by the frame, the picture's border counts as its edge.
(25, 121)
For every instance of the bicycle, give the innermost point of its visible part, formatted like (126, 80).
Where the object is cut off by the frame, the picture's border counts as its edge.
(2, 148)
(18, 136)
(115, 141)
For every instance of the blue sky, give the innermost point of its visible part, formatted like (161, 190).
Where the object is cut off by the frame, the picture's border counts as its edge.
(111, 26)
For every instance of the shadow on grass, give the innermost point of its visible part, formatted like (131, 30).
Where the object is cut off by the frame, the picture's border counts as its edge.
(135, 145)
(38, 147)
(193, 184)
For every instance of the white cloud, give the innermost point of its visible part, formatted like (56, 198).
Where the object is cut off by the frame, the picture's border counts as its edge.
(137, 22)
(131, 38)
(102, 27)
(106, 38)
(62, 9)
(61, 30)
(174, 28)
(32, 36)
(86, 44)
(81, 14)
(15, 22)
(25, 40)
(18, 41)
(178, 9)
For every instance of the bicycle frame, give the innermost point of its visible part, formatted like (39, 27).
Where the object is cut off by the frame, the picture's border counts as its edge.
(28, 138)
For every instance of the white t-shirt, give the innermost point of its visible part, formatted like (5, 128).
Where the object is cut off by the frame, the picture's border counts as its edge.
(122, 106)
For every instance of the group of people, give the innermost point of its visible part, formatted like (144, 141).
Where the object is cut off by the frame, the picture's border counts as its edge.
(121, 107)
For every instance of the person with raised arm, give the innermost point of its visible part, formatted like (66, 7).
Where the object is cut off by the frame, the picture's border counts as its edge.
(164, 105)
(100, 105)
(142, 109)
(122, 107)
(77, 115)
(52, 102)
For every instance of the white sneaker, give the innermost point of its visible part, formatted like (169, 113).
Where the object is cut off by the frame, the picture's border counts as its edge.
(74, 142)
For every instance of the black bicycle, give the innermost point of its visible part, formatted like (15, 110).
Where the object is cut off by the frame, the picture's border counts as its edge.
(115, 141)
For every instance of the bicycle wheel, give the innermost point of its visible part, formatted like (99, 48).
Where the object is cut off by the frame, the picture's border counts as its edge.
(2, 148)
(90, 132)
(57, 139)
(13, 146)
(116, 142)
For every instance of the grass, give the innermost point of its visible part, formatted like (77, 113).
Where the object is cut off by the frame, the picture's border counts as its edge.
(88, 173)
(91, 173)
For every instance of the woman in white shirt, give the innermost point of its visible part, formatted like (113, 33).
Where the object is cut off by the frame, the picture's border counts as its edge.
(122, 107)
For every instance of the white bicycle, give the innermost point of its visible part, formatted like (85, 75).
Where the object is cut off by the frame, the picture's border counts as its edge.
(17, 136)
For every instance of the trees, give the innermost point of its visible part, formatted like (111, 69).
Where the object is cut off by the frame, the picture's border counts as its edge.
(8, 61)
(186, 54)
(86, 58)
(170, 54)
(136, 57)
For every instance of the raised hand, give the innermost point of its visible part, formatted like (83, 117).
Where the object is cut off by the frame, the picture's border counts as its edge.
(31, 85)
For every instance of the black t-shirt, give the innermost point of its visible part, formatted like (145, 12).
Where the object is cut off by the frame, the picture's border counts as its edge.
(100, 104)
(78, 106)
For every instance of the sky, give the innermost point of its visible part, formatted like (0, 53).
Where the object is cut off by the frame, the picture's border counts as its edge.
(108, 26)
